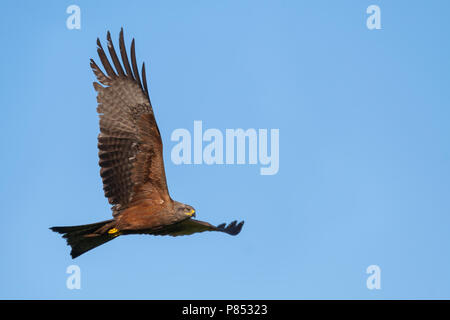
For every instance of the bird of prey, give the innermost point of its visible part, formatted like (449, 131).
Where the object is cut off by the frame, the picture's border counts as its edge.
(131, 162)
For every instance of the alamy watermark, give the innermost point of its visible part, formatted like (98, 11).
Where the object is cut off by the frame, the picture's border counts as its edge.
(374, 280)
(74, 20)
(74, 280)
(236, 146)
(373, 22)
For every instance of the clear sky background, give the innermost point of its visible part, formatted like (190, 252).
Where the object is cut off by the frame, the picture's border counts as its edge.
(364, 148)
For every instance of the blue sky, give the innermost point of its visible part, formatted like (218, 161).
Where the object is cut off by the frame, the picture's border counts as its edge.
(364, 174)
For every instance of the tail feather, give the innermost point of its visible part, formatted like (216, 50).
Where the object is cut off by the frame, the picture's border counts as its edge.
(83, 238)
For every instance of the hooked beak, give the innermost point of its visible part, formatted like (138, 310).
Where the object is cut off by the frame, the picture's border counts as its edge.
(192, 213)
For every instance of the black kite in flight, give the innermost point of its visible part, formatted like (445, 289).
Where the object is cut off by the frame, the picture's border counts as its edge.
(131, 161)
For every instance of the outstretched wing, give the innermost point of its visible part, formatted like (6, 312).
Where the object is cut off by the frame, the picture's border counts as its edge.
(191, 226)
(129, 143)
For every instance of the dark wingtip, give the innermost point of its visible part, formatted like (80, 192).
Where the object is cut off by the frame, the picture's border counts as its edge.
(108, 38)
(123, 54)
(233, 228)
(57, 229)
(134, 63)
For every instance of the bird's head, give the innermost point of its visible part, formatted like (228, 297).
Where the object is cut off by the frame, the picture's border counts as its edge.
(183, 210)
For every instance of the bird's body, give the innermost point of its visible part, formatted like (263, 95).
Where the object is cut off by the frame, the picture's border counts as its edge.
(149, 216)
(131, 162)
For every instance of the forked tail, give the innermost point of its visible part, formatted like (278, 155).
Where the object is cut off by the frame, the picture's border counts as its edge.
(83, 238)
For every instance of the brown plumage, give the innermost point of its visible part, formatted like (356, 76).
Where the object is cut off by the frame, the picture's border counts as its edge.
(131, 161)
